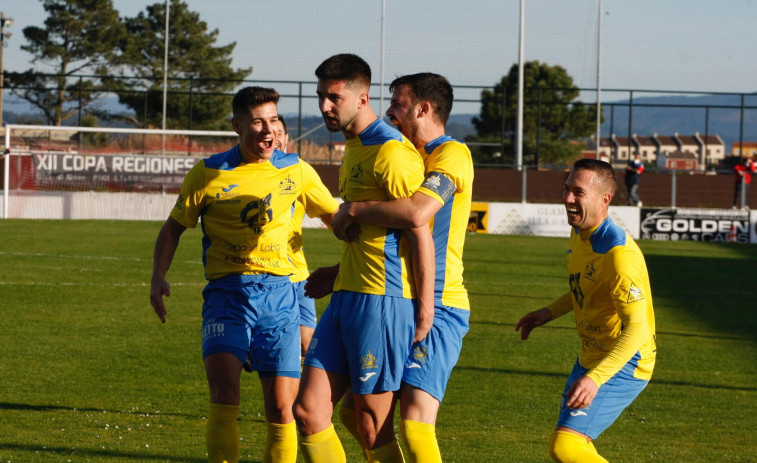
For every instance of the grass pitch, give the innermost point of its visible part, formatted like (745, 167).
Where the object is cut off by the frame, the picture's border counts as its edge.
(89, 374)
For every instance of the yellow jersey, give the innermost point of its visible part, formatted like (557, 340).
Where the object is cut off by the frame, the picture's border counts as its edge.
(378, 165)
(246, 210)
(611, 298)
(449, 179)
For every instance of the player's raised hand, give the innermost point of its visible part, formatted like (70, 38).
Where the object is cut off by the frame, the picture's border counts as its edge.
(532, 320)
(159, 288)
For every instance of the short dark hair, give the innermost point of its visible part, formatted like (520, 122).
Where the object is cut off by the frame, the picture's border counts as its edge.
(605, 172)
(283, 124)
(250, 97)
(429, 87)
(345, 67)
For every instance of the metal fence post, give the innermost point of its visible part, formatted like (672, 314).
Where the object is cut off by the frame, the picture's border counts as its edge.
(673, 190)
(524, 184)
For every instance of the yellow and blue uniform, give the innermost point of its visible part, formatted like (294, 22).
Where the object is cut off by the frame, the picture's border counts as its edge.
(449, 180)
(245, 211)
(367, 330)
(301, 271)
(611, 298)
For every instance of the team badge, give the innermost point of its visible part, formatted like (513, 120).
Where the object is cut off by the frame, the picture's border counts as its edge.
(287, 186)
(634, 294)
(368, 361)
(420, 354)
(357, 174)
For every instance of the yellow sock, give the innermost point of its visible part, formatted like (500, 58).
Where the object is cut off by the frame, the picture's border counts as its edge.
(222, 437)
(420, 442)
(281, 443)
(348, 417)
(323, 447)
(566, 447)
(388, 453)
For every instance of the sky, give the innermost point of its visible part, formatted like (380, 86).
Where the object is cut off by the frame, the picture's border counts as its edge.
(665, 45)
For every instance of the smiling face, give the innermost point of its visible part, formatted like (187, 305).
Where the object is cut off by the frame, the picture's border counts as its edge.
(339, 103)
(257, 132)
(586, 199)
(402, 111)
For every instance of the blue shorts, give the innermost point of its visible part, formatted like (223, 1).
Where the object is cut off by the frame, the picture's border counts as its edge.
(431, 362)
(255, 315)
(365, 337)
(307, 305)
(612, 398)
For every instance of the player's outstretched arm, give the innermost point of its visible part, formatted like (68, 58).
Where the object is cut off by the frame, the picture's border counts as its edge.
(422, 256)
(532, 320)
(165, 248)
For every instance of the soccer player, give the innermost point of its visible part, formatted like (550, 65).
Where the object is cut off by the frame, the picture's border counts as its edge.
(420, 107)
(244, 197)
(297, 256)
(612, 302)
(365, 335)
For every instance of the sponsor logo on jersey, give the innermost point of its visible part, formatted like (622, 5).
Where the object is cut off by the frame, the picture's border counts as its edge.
(575, 288)
(589, 271)
(257, 213)
(634, 294)
(368, 361)
(227, 193)
(367, 376)
(212, 330)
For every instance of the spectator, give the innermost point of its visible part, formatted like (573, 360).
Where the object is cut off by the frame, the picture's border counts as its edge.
(633, 177)
(744, 171)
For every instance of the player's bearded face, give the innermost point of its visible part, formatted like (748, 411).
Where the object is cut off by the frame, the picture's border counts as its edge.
(584, 200)
(402, 111)
(339, 104)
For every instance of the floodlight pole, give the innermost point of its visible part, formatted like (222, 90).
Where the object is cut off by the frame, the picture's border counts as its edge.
(3, 35)
(519, 118)
(383, 41)
(599, 73)
(165, 74)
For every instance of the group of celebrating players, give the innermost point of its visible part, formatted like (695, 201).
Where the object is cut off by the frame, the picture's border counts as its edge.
(398, 312)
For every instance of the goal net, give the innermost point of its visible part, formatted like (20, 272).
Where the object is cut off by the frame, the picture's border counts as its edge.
(100, 173)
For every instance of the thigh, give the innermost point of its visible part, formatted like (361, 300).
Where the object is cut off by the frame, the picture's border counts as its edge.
(275, 343)
(225, 326)
(377, 332)
(326, 349)
(319, 392)
(279, 393)
(611, 399)
(431, 361)
(223, 370)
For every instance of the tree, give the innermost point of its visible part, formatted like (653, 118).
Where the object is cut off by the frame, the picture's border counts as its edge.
(80, 36)
(200, 76)
(552, 120)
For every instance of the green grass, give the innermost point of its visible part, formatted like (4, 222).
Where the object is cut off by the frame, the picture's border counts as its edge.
(89, 374)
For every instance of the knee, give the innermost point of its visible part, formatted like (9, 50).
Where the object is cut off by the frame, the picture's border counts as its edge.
(305, 418)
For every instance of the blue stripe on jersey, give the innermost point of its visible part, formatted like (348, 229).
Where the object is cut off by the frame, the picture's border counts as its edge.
(392, 267)
(440, 234)
(224, 161)
(607, 236)
(378, 133)
(434, 144)
(281, 159)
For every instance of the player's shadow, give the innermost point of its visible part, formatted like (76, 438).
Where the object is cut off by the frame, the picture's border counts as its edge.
(47, 408)
(48, 453)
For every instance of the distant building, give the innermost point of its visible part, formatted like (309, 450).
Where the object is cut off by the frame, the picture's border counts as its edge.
(704, 150)
(749, 148)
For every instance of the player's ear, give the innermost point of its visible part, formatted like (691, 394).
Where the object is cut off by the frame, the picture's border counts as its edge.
(424, 109)
(235, 124)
